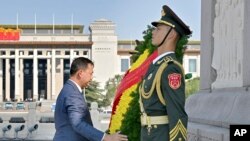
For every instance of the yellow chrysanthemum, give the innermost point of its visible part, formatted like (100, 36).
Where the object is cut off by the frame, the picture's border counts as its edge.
(121, 109)
(140, 60)
(125, 99)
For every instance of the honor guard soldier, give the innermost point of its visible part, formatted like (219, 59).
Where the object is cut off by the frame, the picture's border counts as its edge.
(162, 91)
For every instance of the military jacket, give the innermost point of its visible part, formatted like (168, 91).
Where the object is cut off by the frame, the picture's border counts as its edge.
(168, 100)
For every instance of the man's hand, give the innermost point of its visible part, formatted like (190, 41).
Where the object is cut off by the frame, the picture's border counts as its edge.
(115, 137)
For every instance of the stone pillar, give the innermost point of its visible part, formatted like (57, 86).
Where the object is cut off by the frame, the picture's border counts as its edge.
(35, 75)
(71, 56)
(59, 76)
(17, 76)
(1, 80)
(49, 97)
(21, 79)
(224, 96)
(7, 79)
(95, 115)
(207, 40)
(246, 43)
(53, 74)
(229, 43)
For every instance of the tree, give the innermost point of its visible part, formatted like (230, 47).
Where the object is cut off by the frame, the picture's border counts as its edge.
(192, 86)
(110, 88)
(94, 93)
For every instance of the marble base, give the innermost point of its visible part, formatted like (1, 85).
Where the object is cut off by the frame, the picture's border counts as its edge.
(212, 113)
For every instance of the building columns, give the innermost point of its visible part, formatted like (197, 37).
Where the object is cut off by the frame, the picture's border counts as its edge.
(17, 91)
(49, 96)
(71, 56)
(21, 79)
(53, 73)
(35, 75)
(7, 79)
(1, 80)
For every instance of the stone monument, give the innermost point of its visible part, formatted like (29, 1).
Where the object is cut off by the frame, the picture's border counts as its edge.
(95, 115)
(224, 97)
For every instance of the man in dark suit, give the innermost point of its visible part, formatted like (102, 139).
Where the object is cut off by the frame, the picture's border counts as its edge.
(72, 116)
(162, 92)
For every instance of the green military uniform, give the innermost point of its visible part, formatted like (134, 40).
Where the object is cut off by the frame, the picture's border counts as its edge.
(162, 93)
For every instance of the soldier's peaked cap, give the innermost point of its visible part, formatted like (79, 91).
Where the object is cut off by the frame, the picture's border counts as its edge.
(171, 19)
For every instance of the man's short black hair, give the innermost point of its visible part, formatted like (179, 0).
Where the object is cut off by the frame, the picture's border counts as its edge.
(80, 63)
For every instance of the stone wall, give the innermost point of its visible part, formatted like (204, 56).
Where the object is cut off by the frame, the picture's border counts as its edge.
(224, 94)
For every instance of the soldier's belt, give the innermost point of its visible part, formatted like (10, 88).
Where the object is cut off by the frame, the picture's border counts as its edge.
(153, 120)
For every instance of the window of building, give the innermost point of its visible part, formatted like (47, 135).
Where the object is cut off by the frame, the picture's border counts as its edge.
(67, 52)
(40, 53)
(124, 65)
(76, 52)
(21, 52)
(28, 31)
(26, 71)
(40, 72)
(192, 65)
(85, 52)
(76, 31)
(3, 53)
(42, 31)
(66, 31)
(27, 65)
(58, 52)
(30, 52)
(58, 31)
(12, 52)
(48, 52)
(40, 65)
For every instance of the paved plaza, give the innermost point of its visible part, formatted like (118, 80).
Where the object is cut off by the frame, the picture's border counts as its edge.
(43, 117)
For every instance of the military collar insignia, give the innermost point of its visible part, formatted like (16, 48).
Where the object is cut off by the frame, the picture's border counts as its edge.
(159, 62)
(165, 59)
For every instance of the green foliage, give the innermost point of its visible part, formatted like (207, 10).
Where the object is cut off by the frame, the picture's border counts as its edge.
(192, 86)
(131, 124)
(146, 44)
(180, 48)
(188, 76)
(94, 93)
(111, 86)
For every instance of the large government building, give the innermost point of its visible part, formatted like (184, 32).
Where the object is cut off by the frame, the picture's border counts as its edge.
(35, 59)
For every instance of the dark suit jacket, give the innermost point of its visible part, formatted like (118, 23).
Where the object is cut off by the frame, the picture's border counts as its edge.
(72, 116)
